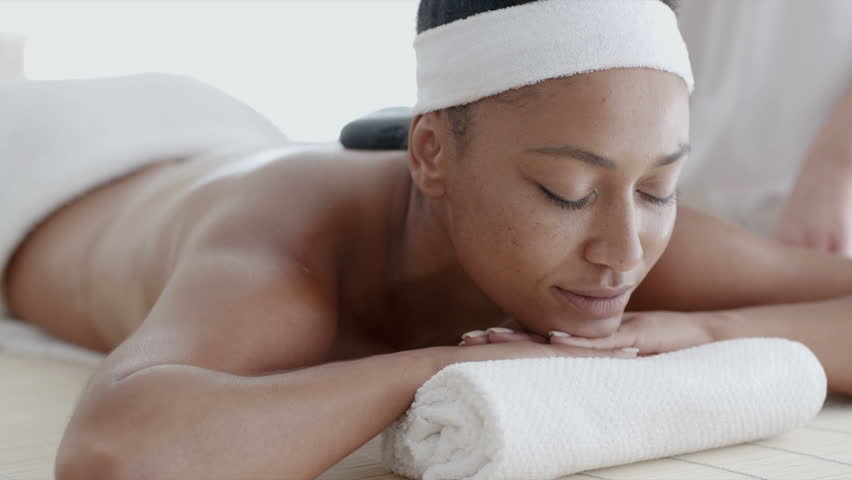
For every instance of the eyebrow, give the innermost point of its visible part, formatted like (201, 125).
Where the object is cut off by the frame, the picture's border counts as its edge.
(569, 151)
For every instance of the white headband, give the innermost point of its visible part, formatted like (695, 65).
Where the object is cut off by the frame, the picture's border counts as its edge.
(492, 52)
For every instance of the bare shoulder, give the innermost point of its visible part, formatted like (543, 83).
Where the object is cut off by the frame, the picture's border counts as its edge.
(254, 287)
(306, 192)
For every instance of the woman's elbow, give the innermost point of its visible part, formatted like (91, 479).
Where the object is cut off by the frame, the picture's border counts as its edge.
(104, 440)
(101, 457)
(84, 456)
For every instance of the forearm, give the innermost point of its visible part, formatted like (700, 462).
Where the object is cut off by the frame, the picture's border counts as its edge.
(825, 327)
(175, 421)
(711, 264)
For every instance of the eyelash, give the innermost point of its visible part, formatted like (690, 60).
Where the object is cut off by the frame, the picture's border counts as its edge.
(580, 204)
(567, 203)
(661, 202)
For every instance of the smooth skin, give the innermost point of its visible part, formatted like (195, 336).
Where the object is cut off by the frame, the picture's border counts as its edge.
(251, 306)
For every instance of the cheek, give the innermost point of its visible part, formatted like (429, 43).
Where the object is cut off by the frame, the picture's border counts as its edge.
(657, 233)
(512, 237)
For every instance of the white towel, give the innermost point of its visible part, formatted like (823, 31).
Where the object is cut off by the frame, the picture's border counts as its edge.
(541, 418)
(60, 138)
(21, 338)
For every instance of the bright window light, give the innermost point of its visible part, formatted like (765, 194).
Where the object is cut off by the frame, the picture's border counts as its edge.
(310, 66)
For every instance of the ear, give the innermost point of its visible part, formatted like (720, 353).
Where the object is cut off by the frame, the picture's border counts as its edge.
(428, 149)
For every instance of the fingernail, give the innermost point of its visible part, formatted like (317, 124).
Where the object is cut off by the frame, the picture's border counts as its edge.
(499, 330)
(474, 333)
(461, 343)
(630, 350)
(557, 333)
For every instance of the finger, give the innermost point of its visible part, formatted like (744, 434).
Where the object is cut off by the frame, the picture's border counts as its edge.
(596, 352)
(502, 337)
(610, 342)
(499, 335)
(474, 337)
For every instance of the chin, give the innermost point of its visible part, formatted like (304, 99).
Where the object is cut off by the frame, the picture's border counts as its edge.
(602, 327)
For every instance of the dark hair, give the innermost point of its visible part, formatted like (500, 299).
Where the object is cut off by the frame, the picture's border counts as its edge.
(434, 13)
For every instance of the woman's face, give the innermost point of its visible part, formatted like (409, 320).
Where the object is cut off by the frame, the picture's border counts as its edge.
(566, 196)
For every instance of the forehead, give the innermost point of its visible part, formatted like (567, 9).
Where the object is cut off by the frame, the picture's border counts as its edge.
(623, 109)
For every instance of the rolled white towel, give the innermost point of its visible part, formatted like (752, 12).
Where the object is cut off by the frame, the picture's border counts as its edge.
(541, 418)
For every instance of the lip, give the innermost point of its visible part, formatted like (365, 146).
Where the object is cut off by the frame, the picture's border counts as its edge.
(600, 303)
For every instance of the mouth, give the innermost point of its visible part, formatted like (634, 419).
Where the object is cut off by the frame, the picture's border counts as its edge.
(596, 304)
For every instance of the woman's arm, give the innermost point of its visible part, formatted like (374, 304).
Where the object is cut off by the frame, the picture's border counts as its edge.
(740, 285)
(825, 327)
(222, 381)
(711, 264)
(180, 421)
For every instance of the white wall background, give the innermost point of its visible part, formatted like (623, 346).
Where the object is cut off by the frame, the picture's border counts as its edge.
(308, 65)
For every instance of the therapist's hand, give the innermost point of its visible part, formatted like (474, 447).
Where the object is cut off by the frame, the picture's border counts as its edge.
(818, 213)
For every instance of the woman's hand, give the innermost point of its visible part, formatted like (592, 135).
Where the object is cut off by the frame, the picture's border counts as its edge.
(509, 331)
(521, 344)
(515, 349)
(651, 332)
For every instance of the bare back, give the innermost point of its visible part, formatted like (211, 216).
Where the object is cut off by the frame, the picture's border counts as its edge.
(103, 259)
(91, 272)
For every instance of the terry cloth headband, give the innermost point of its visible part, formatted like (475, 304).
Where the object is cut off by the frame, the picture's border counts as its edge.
(495, 51)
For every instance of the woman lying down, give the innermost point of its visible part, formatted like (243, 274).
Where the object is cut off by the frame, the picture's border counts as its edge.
(270, 307)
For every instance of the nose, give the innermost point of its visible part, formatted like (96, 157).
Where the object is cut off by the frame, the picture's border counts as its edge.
(616, 244)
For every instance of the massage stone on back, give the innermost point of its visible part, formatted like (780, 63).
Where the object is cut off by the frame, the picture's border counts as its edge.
(385, 129)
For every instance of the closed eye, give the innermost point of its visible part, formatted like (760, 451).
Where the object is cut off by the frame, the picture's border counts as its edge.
(661, 202)
(587, 200)
(572, 205)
